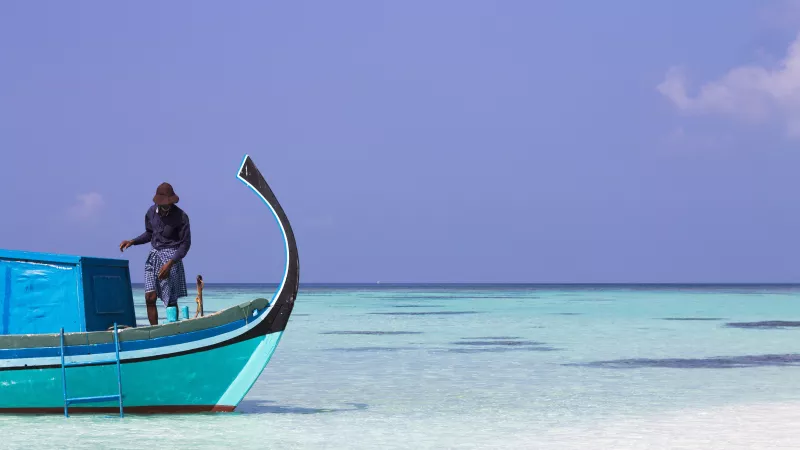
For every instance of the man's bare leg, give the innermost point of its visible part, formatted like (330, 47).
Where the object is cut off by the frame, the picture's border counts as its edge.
(152, 310)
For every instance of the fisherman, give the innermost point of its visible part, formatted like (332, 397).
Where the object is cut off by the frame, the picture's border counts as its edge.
(167, 230)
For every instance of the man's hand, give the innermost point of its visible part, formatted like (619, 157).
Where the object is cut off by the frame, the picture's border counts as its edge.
(164, 272)
(124, 245)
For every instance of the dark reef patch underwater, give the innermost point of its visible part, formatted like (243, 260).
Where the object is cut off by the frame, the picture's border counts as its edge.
(717, 362)
(765, 325)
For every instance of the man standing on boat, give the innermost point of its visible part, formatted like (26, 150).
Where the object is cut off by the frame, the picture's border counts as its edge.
(167, 230)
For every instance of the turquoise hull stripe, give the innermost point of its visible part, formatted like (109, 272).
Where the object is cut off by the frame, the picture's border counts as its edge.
(200, 378)
(74, 350)
(252, 370)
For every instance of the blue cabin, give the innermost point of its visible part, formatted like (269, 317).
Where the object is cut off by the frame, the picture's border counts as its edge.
(41, 293)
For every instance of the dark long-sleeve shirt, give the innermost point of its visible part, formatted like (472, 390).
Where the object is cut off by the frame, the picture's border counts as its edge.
(170, 231)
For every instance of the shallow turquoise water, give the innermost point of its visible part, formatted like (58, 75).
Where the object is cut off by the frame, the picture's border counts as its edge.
(488, 367)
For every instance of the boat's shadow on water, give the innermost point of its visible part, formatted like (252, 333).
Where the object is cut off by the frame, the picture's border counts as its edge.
(269, 407)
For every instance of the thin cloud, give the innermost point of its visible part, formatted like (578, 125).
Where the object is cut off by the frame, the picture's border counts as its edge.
(87, 207)
(751, 93)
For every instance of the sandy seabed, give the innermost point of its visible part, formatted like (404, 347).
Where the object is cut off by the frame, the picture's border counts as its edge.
(757, 426)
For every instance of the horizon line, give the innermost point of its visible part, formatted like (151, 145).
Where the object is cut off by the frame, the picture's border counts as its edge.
(459, 283)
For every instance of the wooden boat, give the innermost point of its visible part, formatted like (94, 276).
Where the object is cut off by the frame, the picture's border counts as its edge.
(206, 364)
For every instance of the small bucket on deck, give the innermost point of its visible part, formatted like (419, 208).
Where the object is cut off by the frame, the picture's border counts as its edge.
(184, 312)
(172, 314)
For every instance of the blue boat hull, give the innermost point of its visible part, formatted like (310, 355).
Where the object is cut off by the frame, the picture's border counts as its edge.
(209, 381)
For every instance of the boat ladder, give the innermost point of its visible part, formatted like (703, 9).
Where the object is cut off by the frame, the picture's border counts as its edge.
(96, 399)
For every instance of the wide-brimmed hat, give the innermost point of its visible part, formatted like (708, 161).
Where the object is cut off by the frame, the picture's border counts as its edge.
(165, 195)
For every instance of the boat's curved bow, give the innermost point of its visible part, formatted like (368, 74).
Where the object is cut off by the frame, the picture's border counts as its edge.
(285, 295)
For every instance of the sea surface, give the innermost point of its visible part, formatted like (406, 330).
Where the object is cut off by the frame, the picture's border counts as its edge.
(493, 367)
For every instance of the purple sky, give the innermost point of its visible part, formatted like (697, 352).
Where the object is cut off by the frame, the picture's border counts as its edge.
(447, 141)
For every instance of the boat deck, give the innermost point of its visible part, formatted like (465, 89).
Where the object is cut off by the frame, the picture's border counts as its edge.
(236, 313)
